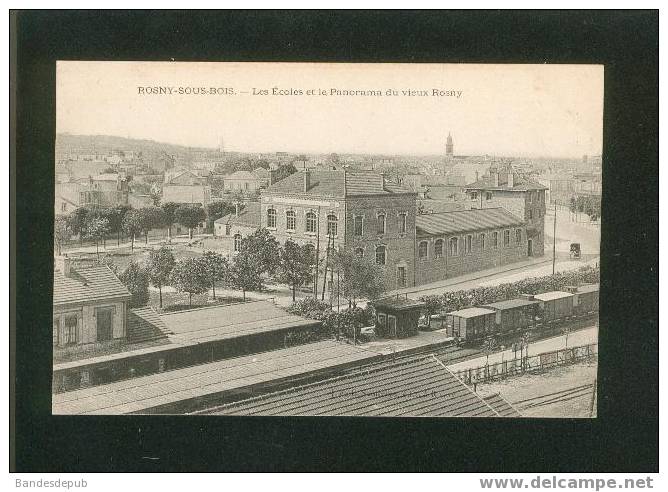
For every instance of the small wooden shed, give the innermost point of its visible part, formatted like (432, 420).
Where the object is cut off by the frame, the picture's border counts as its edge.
(397, 317)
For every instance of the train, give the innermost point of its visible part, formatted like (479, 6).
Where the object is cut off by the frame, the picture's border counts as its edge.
(514, 315)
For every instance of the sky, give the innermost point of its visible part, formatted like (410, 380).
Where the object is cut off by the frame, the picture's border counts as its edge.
(500, 110)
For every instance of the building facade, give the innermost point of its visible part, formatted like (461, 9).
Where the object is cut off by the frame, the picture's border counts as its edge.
(186, 187)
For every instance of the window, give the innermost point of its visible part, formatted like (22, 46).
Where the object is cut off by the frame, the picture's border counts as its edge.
(402, 223)
(237, 242)
(359, 252)
(438, 248)
(359, 225)
(332, 225)
(454, 246)
(530, 195)
(422, 250)
(474, 195)
(245, 186)
(56, 328)
(311, 222)
(495, 239)
(380, 255)
(469, 243)
(518, 236)
(530, 214)
(271, 217)
(482, 241)
(401, 276)
(506, 237)
(290, 220)
(381, 224)
(488, 195)
(70, 335)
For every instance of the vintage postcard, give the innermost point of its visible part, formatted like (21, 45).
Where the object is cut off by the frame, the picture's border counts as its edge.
(410, 240)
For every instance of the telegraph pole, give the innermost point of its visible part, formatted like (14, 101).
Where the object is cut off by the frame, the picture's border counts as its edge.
(554, 239)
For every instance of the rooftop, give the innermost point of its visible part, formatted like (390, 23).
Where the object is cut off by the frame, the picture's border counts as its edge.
(417, 387)
(87, 285)
(397, 303)
(338, 183)
(250, 215)
(143, 393)
(472, 312)
(465, 220)
(230, 321)
(501, 405)
(588, 288)
(550, 296)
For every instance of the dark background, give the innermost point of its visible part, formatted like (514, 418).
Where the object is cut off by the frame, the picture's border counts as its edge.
(624, 437)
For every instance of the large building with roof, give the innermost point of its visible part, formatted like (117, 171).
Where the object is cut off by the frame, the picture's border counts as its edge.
(503, 186)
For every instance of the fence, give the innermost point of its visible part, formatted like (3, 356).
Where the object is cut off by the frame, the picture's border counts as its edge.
(532, 363)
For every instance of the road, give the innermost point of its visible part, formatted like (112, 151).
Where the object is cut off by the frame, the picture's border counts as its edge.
(581, 337)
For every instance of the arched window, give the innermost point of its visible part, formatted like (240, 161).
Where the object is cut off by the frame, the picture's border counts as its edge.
(506, 237)
(311, 222)
(290, 220)
(359, 225)
(482, 241)
(454, 246)
(422, 250)
(271, 217)
(237, 242)
(402, 223)
(469, 244)
(438, 248)
(332, 225)
(380, 255)
(495, 239)
(381, 224)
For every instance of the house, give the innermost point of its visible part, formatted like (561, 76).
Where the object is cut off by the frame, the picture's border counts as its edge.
(99, 191)
(503, 186)
(89, 308)
(246, 181)
(185, 186)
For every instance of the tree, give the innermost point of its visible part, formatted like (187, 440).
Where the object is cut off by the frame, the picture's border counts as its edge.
(151, 218)
(77, 222)
(188, 275)
(168, 216)
(61, 232)
(116, 216)
(360, 277)
(488, 347)
(216, 210)
(132, 225)
(136, 280)
(189, 216)
(160, 265)
(215, 266)
(295, 265)
(283, 172)
(96, 228)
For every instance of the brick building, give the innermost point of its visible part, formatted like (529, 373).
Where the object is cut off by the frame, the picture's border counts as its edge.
(503, 187)
(456, 243)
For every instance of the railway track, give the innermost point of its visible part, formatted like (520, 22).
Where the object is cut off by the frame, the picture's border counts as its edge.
(555, 397)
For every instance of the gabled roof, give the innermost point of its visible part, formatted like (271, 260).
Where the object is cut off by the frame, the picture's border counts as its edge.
(417, 387)
(87, 285)
(465, 221)
(250, 215)
(338, 183)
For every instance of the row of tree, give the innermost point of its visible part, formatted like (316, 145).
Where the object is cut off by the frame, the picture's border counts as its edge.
(98, 224)
(590, 205)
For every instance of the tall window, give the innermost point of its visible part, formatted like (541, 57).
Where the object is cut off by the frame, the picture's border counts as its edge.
(495, 239)
(469, 243)
(530, 214)
(482, 241)
(402, 223)
(290, 220)
(359, 225)
(332, 225)
(71, 322)
(401, 276)
(271, 217)
(422, 250)
(56, 329)
(530, 195)
(237, 242)
(518, 236)
(506, 237)
(311, 222)
(359, 252)
(380, 255)
(438, 248)
(454, 246)
(381, 224)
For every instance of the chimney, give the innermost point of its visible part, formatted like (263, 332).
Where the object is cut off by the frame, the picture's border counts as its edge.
(64, 265)
(307, 180)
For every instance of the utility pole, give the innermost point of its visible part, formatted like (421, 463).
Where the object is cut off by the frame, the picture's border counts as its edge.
(554, 239)
(317, 256)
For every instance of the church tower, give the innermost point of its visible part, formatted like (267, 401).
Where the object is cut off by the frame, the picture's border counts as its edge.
(448, 146)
